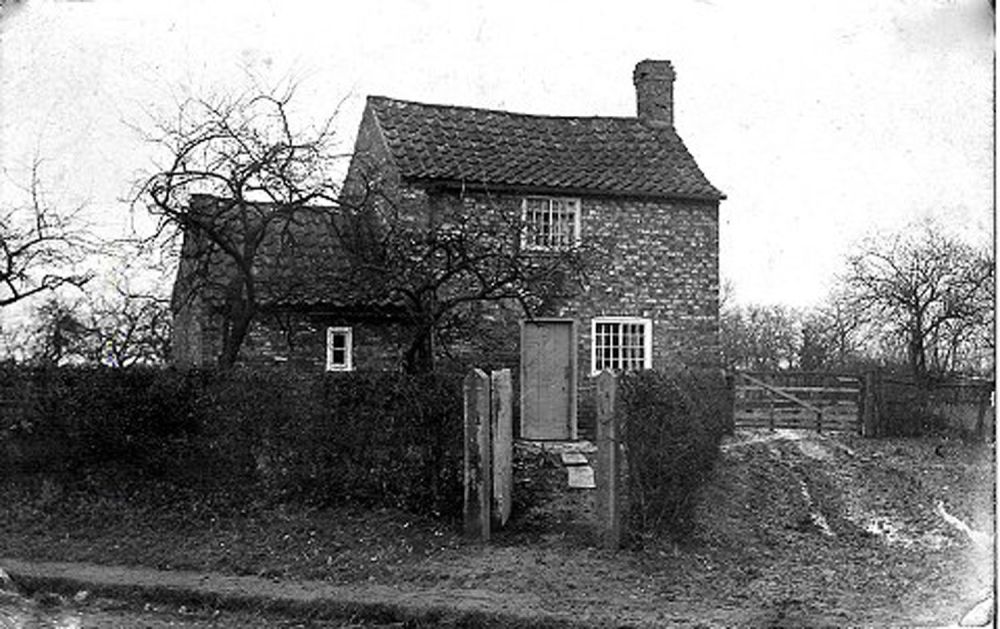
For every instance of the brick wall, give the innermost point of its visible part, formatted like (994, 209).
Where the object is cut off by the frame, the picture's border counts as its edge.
(658, 259)
(298, 341)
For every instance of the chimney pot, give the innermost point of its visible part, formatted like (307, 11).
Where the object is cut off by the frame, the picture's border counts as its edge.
(654, 91)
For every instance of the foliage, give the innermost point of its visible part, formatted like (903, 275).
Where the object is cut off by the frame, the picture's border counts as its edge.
(61, 418)
(372, 438)
(673, 424)
(375, 438)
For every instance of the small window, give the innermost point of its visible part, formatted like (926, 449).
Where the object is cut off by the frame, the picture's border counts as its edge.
(339, 349)
(551, 223)
(621, 344)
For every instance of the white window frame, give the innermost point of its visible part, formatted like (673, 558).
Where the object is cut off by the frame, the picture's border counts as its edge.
(647, 340)
(348, 333)
(527, 241)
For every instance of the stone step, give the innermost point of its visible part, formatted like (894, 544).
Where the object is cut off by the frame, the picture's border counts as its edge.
(581, 477)
(573, 458)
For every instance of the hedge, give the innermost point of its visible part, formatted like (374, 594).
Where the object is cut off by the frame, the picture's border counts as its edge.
(374, 438)
(673, 425)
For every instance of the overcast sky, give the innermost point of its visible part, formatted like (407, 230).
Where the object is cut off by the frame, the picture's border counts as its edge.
(821, 121)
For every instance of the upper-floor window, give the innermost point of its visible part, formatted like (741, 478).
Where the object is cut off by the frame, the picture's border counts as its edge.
(338, 349)
(621, 344)
(551, 222)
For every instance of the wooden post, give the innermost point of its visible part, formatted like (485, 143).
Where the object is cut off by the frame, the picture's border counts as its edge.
(477, 464)
(770, 400)
(608, 463)
(502, 428)
(869, 406)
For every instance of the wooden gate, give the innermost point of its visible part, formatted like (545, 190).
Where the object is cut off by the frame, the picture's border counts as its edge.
(804, 400)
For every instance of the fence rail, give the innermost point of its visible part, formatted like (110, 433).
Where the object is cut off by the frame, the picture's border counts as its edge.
(876, 404)
(803, 400)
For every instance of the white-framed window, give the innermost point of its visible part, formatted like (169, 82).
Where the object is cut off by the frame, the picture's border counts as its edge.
(621, 344)
(550, 222)
(339, 349)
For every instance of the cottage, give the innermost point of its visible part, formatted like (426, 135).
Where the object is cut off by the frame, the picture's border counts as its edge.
(628, 182)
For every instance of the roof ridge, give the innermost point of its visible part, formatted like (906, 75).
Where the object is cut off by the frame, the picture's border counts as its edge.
(374, 97)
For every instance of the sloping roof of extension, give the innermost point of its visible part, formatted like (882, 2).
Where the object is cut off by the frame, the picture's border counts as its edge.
(298, 264)
(584, 155)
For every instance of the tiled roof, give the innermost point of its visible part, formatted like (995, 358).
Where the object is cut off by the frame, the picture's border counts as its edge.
(581, 154)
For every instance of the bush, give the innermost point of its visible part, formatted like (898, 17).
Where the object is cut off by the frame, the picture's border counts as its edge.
(376, 438)
(673, 424)
(62, 418)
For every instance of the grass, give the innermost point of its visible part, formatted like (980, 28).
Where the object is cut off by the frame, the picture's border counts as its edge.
(107, 517)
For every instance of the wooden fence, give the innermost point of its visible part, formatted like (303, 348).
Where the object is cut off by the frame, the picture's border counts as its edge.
(804, 400)
(897, 406)
(875, 404)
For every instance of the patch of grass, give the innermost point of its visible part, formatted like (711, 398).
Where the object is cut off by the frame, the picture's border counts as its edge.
(101, 519)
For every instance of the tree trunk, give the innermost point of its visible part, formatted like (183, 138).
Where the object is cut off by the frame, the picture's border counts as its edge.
(236, 327)
(419, 357)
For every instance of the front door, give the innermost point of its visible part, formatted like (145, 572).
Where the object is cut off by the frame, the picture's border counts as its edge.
(548, 379)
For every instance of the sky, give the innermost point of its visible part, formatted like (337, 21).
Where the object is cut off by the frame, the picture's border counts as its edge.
(822, 122)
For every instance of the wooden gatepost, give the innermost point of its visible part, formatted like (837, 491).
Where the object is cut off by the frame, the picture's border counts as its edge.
(609, 463)
(502, 439)
(477, 461)
(489, 449)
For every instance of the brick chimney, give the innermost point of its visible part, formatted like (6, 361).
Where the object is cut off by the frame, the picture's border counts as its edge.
(654, 92)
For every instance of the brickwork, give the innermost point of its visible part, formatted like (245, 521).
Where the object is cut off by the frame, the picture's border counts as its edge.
(298, 341)
(660, 261)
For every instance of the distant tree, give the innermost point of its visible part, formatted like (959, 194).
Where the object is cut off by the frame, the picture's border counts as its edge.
(760, 337)
(58, 334)
(833, 337)
(927, 290)
(40, 246)
(270, 177)
(128, 329)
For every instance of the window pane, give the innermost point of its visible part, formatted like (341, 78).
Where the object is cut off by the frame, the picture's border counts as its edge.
(620, 345)
(550, 222)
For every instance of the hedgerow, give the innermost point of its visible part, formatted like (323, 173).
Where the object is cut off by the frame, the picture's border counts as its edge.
(374, 438)
(673, 425)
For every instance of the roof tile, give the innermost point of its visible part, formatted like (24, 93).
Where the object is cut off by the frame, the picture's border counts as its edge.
(589, 154)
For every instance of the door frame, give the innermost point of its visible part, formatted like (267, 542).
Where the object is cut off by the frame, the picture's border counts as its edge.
(573, 370)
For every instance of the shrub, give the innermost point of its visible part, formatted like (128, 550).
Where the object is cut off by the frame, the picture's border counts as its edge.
(673, 424)
(376, 438)
(62, 418)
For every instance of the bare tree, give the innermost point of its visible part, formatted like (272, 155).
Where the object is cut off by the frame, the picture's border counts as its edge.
(39, 246)
(834, 337)
(451, 266)
(759, 337)
(58, 334)
(930, 291)
(266, 177)
(129, 328)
